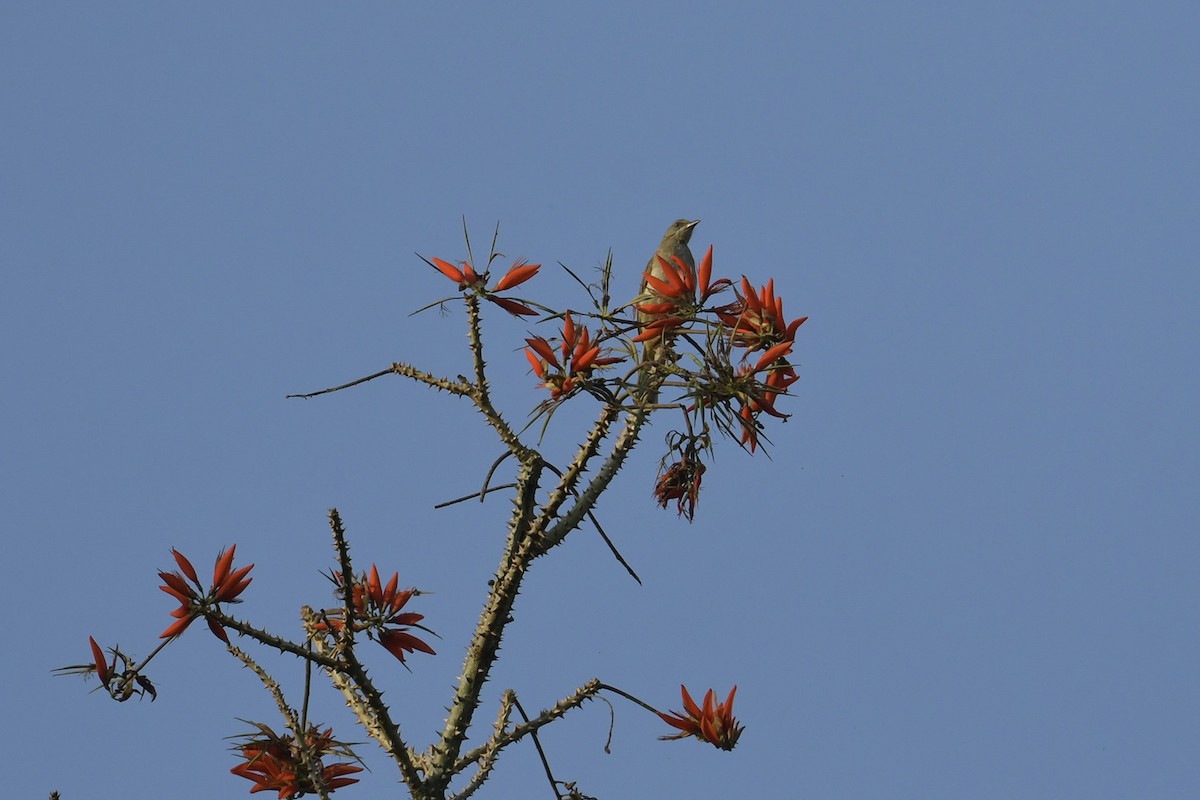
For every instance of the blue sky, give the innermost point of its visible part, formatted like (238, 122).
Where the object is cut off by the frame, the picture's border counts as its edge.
(969, 568)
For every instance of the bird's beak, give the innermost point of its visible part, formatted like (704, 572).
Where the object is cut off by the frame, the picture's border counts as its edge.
(693, 224)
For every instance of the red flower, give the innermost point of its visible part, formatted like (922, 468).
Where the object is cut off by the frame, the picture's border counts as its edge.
(512, 306)
(676, 289)
(467, 278)
(750, 428)
(398, 642)
(705, 289)
(227, 584)
(759, 396)
(756, 320)
(577, 356)
(658, 327)
(377, 607)
(678, 295)
(274, 762)
(517, 274)
(713, 723)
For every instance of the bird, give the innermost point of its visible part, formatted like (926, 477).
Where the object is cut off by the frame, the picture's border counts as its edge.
(674, 245)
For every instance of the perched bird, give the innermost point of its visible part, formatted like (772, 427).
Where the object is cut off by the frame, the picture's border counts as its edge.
(674, 244)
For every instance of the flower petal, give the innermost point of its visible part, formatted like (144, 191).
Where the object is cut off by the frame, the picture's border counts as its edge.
(374, 588)
(221, 569)
(568, 336)
(706, 272)
(234, 585)
(449, 270)
(218, 630)
(769, 357)
(543, 349)
(539, 369)
(176, 628)
(512, 306)
(185, 565)
(519, 273)
(389, 591)
(99, 660)
(585, 361)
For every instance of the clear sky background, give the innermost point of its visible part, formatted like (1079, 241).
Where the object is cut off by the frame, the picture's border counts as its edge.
(969, 568)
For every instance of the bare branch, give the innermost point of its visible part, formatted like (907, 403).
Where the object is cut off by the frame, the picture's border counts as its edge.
(494, 618)
(473, 495)
(404, 370)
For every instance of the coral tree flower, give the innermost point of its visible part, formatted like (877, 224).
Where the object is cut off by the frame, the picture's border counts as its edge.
(756, 320)
(713, 723)
(681, 289)
(673, 299)
(563, 371)
(675, 290)
(227, 584)
(275, 763)
(757, 323)
(759, 395)
(464, 276)
(379, 610)
(468, 279)
(517, 274)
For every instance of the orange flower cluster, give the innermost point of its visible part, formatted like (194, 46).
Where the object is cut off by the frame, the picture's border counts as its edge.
(713, 723)
(580, 355)
(678, 296)
(274, 763)
(467, 278)
(227, 584)
(376, 609)
(756, 322)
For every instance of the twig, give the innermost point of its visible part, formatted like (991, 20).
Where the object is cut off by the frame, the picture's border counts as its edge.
(612, 547)
(460, 388)
(538, 746)
(616, 553)
(307, 395)
(473, 495)
(628, 696)
(487, 479)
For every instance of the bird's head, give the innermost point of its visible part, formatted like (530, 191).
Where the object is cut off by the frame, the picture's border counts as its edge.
(681, 230)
